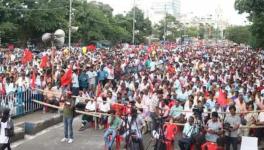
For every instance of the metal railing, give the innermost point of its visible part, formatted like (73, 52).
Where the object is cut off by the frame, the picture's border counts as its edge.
(20, 102)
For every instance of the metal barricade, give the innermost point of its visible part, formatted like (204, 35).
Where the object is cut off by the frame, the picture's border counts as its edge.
(20, 103)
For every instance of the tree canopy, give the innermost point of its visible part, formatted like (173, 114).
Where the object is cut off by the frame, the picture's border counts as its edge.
(28, 20)
(255, 9)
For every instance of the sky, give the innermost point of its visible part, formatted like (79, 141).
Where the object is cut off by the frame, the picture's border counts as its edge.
(198, 7)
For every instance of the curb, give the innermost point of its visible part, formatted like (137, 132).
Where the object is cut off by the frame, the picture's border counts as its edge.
(32, 128)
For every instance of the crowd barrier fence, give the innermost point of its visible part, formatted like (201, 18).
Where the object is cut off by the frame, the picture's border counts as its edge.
(20, 102)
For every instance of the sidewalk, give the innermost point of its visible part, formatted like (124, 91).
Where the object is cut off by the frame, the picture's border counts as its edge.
(33, 117)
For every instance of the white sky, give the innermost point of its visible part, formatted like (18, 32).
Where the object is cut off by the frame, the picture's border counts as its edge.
(197, 7)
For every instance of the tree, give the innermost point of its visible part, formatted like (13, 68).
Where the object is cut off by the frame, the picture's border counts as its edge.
(171, 27)
(255, 9)
(23, 21)
(238, 34)
(192, 31)
(142, 25)
(29, 19)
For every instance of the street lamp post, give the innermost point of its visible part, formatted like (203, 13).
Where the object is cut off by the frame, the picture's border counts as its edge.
(165, 22)
(134, 15)
(70, 21)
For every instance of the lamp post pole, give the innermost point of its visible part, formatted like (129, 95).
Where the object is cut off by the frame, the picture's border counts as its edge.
(70, 22)
(134, 16)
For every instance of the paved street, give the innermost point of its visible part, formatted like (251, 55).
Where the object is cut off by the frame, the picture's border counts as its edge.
(49, 139)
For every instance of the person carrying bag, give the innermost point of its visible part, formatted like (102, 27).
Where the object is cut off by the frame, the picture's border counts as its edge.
(6, 130)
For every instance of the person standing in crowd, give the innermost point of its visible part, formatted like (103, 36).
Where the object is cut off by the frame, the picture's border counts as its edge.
(92, 77)
(114, 125)
(102, 74)
(6, 130)
(83, 80)
(68, 114)
(75, 83)
(231, 125)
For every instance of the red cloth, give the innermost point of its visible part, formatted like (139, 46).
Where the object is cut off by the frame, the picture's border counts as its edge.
(98, 89)
(27, 56)
(171, 69)
(33, 80)
(66, 79)
(209, 146)
(120, 108)
(171, 130)
(91, 47)
(221, 100)
(44, 61)
(172, 103)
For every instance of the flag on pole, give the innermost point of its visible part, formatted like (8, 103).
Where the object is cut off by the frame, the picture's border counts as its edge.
(33, 80)
(27, 56)
(44, 61)
(221, 100)
(66, 79)
(91, 47)
(98, 89)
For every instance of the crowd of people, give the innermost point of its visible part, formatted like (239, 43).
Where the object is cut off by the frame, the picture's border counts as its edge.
(213, 90)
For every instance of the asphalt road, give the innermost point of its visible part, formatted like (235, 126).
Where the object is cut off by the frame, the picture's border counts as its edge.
(49, 139)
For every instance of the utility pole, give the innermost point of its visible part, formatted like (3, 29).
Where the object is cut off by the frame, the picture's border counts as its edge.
(134, 16)
(165, 22)
(70, 22)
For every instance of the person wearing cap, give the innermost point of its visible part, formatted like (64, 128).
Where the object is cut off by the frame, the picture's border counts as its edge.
(68, 114)
(6, 130)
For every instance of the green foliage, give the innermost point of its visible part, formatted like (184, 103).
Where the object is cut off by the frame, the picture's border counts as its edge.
(192, 31)
(171, 26)
(238, 34)
(255, 9)
(21, 21)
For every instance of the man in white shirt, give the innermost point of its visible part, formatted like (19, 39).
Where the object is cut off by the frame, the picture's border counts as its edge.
(189, 131)
(75, 83)
(86, 120)
(110, 70)
(22, 83)
(92, 74)
(104, 107)
(9, 86)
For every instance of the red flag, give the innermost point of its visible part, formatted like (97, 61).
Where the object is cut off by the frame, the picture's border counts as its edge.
(98, 89)
(66, 79)
(221, 100)
(91, 47)
(27, 56)
(44, 61)
(33, 80)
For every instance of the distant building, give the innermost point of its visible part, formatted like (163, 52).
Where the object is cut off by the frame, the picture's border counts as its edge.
(160, 7)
